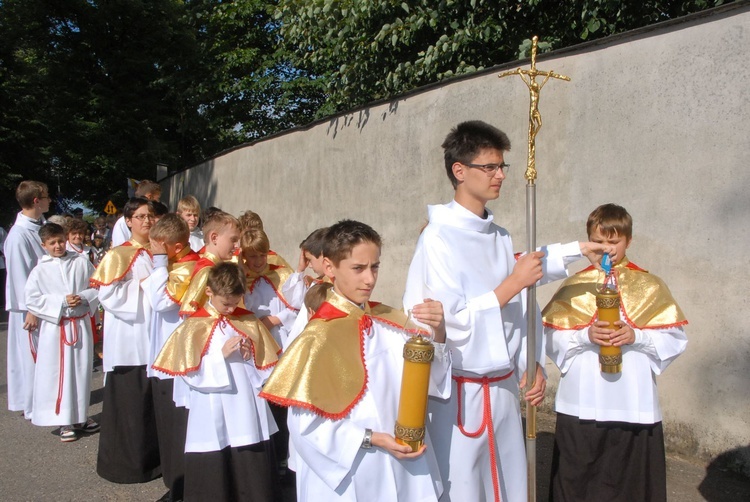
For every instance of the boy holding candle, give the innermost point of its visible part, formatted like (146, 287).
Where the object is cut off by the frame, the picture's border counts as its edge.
(341, 427)
(466, 261)
(609, 442)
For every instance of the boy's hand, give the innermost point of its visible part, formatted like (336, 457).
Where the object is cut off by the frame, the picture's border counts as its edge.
(600, 334)
(398, 450)
(535, 395)
(157, 247)
(231, 346)
(303, 263)
(528, 269)
(624, 335)
(73, 300)
(31, 322)
(270, 321)
(431, 313)
(308, 280)
(594, 251)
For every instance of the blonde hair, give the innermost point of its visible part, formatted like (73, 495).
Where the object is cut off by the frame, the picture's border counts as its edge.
(189, 203)
(316, 295)
(250, 219)
(147, 187)
(218, 221)
(171, 229)
(255, 240)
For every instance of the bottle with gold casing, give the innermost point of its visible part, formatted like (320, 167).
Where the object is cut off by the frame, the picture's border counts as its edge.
(608, 310)
(415, 381)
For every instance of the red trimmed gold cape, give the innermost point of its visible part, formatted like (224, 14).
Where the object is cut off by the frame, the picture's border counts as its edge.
(181, 269)
(184, 350)
(117, 263)
(194, 296)
(645, 299)
(324, 370)
(275, 276)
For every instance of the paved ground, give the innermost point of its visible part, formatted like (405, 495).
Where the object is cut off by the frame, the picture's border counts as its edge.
(36, 466)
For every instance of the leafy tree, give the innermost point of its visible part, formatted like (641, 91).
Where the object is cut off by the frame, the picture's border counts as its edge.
(373, 49)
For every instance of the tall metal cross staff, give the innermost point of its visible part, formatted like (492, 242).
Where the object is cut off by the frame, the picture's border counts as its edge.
(535, 123)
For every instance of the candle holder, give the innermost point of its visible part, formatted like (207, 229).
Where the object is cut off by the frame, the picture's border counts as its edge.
(412, 408)
(608, 307)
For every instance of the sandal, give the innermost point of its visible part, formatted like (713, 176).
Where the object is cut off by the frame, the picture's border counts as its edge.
(90, 426)
(68, 434)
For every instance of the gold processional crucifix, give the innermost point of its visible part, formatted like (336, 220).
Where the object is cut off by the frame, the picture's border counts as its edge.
(535, 123)
(535, 118)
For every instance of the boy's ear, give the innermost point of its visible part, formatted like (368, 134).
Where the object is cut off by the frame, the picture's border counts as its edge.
(328, 268)
(209, 293)
(178, 247)
(458, 171)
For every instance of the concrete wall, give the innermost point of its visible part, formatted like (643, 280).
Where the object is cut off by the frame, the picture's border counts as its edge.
(656, 120)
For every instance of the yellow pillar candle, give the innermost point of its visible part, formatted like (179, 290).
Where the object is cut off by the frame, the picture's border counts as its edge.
(415, 381)
(608, 307)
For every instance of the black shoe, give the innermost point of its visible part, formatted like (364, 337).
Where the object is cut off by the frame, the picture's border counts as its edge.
(167, 497)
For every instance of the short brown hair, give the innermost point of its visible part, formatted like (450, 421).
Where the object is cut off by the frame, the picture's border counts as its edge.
(50, 230)
(314, 242)
(217, 221)
(75, 225)
(341, 238)
(250, 219)
(316, 295)
(227, 279)
(467, 140)
(27, 191)
(610, 219)
(189, 203)
(133, 204)
(147, 187)
(171, 229)
(256, 240)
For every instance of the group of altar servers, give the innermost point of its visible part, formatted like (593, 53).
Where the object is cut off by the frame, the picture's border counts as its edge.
(221, 360)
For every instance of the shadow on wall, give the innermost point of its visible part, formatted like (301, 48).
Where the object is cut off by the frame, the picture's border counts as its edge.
(722, 483)
(337, 124)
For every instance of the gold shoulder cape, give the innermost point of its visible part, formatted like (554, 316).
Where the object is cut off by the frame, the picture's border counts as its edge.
(194, 296)
(275, 276)
(324, 370)
(180, 271)
(184, 350)
(116, 264)
(645, 300)
(275, 258)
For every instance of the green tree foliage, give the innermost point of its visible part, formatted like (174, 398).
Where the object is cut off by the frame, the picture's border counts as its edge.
(373, 49)
(95, 91)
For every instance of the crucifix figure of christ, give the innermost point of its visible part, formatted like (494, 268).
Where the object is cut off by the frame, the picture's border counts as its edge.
(535, 117)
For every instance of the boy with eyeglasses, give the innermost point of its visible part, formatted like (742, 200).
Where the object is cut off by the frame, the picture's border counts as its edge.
(464, 260)
(22, 250)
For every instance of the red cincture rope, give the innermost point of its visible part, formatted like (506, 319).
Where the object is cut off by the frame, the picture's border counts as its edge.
(486, 422)
(31, 345)
(63, 342)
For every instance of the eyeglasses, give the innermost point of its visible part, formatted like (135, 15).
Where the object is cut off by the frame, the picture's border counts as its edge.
(144, 217)
(490, 169)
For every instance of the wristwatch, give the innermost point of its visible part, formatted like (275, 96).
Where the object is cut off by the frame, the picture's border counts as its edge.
(367, 440)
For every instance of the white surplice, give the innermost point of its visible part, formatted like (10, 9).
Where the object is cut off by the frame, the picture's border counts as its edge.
(128, 317)
(120, 233)
(225, 409)
(48, 285)
(165, 312)
(459, 260)
(196, 239)
(629, 396)
(330, 463)
(22, 250)
(264, 301)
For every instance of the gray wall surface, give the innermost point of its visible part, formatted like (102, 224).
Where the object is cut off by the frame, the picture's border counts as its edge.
(656, 120)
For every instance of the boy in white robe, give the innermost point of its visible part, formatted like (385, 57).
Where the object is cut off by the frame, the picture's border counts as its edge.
(174, 262)
(189, 209)
(121, 232)
(128, 444)
(224, 354)
(341, 379)
(76, 231)
(600, 416)
(466, 261)
(22, 250)
(57, 293)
